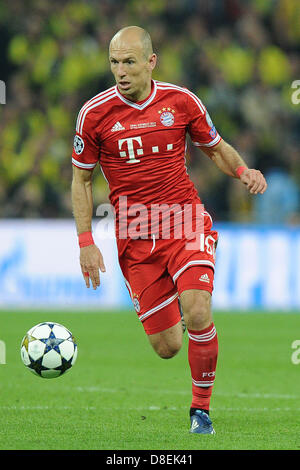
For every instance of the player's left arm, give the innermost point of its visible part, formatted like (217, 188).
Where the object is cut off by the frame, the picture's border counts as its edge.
(231, 163)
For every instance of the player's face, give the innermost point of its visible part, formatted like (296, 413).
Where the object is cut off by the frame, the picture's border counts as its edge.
(132, 71)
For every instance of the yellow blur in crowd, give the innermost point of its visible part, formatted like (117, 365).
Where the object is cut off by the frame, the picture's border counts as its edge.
(239, 57)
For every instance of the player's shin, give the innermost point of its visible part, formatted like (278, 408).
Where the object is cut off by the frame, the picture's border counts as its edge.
(202, 354)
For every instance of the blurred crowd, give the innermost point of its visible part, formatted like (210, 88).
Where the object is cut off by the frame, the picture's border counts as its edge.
(240, 57)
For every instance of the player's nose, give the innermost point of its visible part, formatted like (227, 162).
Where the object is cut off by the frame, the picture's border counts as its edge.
(121, 73)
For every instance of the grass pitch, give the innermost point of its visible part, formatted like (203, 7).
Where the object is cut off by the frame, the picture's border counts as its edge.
(120, 395)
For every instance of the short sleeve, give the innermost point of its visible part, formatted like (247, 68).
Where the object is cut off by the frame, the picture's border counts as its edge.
(86, 149)
(200, 126)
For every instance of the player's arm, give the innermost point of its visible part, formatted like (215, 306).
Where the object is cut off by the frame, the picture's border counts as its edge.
(82, 199)
(231, 163)
(85, 157)
(91, 259)
(204, 135)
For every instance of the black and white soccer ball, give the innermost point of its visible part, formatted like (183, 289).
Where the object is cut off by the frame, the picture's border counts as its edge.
(48, 350)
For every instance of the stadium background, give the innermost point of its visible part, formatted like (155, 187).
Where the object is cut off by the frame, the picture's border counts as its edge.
(240, 57)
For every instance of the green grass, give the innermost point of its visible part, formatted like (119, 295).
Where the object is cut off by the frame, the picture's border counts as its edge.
(120, 395)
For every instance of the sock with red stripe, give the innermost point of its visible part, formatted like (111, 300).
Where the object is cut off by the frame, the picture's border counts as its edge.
(202, 355)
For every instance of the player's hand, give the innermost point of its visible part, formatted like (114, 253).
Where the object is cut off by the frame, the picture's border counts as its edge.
(91, 260)
(254, 180)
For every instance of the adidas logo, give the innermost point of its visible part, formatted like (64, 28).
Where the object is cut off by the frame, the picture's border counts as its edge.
(117, 127)
(195, 425)
(204, 278)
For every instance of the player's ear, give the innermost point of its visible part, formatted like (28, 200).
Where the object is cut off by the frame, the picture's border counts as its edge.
(152, 61)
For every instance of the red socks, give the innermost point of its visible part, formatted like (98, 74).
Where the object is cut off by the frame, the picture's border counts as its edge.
(202, 354)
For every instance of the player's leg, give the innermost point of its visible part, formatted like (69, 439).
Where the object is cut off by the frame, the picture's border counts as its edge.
(203, 345)
(167, 342)
(154, 296)
(192, 271)
(196, 307)
(203, 341)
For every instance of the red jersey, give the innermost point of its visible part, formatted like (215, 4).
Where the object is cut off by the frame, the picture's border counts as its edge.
(141, 146)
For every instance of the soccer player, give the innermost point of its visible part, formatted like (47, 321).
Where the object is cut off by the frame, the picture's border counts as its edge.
(136, 130)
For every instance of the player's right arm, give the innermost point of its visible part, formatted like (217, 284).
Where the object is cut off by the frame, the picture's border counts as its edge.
(84, 159)
(91, 259)
(227, 159)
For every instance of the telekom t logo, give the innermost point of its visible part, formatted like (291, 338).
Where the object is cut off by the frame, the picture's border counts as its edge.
(130, 149)
(131, 153)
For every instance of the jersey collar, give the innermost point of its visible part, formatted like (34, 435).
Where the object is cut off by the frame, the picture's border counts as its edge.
(142, 105)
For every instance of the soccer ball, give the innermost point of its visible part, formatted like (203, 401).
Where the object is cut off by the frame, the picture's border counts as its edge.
(48, 350)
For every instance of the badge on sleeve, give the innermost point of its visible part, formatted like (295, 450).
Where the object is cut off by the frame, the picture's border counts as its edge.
(213, 131)
(78, 144)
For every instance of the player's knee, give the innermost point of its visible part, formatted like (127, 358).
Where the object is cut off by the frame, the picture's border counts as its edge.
(196, 309)
(168, 342)
(166, 351)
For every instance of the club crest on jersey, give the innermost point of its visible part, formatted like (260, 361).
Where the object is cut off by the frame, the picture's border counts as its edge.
(78, 144)
(167, 116)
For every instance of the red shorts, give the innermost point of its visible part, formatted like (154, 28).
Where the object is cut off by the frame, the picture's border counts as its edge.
(157, 271)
